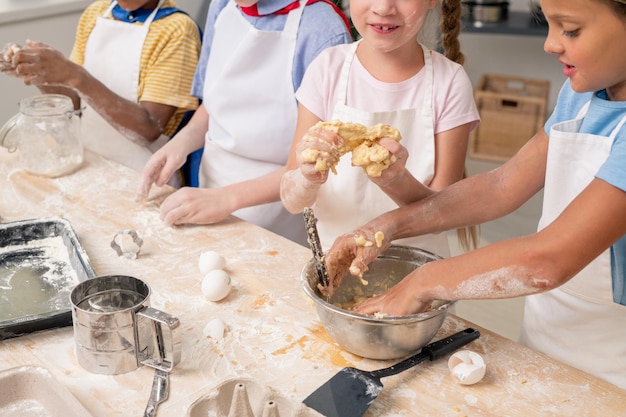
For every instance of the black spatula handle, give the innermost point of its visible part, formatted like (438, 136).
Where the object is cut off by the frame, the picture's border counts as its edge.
(432, 351)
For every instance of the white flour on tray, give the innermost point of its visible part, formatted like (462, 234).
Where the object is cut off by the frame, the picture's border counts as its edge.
(35, 277)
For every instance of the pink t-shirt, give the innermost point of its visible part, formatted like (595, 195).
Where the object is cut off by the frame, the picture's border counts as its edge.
(453, 99)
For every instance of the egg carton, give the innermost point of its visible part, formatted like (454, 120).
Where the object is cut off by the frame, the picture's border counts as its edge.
(247, 398)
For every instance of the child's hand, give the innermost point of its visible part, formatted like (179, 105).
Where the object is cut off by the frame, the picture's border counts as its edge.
(40, 64)
(397, 167)
(6, 58)
(353, 252)
(160, 168)
(317, 153)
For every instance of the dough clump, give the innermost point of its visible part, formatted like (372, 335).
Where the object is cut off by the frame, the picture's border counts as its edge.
(361, 140)
(7, 55)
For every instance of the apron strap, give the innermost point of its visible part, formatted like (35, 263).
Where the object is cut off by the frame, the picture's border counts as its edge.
(583, 110)
(618, 127)
(342, 87)
(427, 108)
(293, 20)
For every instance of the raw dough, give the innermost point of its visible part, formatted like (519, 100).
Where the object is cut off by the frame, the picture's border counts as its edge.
(10, 51)
(379, 237)
(361, 140)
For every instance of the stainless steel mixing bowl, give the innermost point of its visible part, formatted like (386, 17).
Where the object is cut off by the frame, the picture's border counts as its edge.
(370, 336)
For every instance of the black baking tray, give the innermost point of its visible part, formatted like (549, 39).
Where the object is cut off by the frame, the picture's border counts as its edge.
(41, 260)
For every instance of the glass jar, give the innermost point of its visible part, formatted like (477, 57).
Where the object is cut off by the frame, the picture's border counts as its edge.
(46, 134)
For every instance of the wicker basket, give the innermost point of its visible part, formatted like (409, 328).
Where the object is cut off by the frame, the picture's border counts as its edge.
(512, 110)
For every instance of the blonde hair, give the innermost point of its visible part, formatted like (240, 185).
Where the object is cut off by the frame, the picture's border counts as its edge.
(441, 29)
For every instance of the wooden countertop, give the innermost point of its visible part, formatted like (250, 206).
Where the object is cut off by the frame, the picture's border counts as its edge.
(273, 334)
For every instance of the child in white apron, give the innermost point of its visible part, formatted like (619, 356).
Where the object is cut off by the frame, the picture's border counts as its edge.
(120, 120)
(573, 270)
(431, 104)
(252, 64)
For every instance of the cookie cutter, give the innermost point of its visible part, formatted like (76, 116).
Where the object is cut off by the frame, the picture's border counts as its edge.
(127, 243)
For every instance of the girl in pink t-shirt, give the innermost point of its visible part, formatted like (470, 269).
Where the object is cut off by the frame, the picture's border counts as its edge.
(386, 77)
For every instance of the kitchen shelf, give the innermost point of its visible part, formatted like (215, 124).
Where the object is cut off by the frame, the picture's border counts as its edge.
(517, 23)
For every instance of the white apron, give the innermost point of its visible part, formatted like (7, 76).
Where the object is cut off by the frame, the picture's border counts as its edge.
(578, 323)
(248, 94)
(349, 199)
(113, 56)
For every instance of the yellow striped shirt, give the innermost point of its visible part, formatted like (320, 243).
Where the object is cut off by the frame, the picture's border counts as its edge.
(168, 59)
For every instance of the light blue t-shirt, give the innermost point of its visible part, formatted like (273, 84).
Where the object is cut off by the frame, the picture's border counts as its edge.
(320, 27)
(601, 119)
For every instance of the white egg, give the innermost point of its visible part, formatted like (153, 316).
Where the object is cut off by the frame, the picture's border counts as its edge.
(216, 285)
(467, 367)
(210, 260)
(215, 329)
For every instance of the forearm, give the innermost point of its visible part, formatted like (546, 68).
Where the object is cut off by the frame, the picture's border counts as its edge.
(126, 116)
(511, 268)
(476, 199)
(405, 189)
(296, 192)
(192, 136)
(48, 89)
(441, 211)
(253, 192)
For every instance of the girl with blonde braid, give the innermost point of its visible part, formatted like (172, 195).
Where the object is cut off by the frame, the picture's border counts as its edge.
(390, 77)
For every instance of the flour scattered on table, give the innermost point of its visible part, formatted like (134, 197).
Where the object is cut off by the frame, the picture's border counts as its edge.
(35, 277)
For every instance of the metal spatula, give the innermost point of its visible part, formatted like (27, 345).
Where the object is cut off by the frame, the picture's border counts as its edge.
(314, 241)
(351, 391)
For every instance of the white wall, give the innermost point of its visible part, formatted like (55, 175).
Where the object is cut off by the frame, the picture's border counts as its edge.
(57, 31)
(511, 55)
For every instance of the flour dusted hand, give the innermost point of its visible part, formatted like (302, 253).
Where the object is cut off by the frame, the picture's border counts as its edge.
(6, 57)
(326, 142)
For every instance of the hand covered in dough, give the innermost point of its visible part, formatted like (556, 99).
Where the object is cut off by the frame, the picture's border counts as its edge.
(360, 140)
(6, 58)
(352, 253)
(397, 165)
(318, 152)
(40, 64)
(400, 300)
